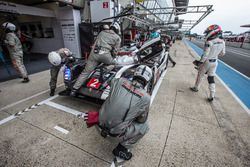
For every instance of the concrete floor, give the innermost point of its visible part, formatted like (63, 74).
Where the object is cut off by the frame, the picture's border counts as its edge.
(185, 130)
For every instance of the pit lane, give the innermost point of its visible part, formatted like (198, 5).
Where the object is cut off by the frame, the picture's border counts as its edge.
(38, 124)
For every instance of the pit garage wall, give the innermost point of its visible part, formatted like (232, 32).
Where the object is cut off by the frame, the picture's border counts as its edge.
(64, 36)
(45, 45)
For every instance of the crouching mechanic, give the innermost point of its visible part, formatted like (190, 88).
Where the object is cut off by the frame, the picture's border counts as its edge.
(124, 113)
(106, 45)
(214, 47)
(57, 59)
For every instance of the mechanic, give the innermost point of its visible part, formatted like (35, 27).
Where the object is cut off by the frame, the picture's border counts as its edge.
(15, 50)
(57, 59)
(168, 45)
(104, 51)
(214, 47)
(155, 34)
(158, 46)
(124, 113)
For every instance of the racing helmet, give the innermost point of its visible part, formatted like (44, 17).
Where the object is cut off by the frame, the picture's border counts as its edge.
(154, 35)
(159, 31)
(212, 32)
(54, 58)
(116, 28)
(9, 26)
(143, 73)
(106, 27)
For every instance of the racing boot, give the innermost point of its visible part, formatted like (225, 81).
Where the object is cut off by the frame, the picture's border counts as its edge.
(174, 63)
(73, 92)
(194, 89)
(25, 80)
(52, 92)
(122, 152)
(210, 99)
(66, 92)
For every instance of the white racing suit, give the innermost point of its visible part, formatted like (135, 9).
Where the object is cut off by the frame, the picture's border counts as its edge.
(125, 111)
(106, 41)
(213, 49)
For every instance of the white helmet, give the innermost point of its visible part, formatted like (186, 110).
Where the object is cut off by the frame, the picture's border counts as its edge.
(116, 27)
(9, 26)
(54, 58)
(106, 27)
(159, 31)
(143, 72)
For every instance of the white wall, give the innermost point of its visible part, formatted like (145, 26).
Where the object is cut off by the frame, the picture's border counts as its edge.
(70, 20)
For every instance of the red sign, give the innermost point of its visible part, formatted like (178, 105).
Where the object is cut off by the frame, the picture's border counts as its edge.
(105, 5)
(94, 83)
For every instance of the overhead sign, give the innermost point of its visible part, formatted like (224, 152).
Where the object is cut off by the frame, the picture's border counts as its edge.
(105, 5)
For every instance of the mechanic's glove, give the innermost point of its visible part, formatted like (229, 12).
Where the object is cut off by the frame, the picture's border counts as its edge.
(91, 118)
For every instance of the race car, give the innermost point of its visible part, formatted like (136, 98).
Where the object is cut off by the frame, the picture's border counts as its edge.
(152, 53)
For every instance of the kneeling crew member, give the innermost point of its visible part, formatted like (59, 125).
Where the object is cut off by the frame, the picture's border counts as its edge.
(57, 59)
(125, 111)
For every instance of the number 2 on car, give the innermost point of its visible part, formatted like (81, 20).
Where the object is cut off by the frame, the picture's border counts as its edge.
(94, 83)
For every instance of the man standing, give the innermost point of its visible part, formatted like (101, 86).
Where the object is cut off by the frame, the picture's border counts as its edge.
(15, 50)
(106, 44)
(168, 43)
(124, 113)
(57, 59)
(214, 47)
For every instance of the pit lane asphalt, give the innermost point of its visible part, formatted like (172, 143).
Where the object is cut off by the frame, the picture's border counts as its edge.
(36, 111)
(185, 130)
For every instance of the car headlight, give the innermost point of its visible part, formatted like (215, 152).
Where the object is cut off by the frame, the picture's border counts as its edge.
(67, 74)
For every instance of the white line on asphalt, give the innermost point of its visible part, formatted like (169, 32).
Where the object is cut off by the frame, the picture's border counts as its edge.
(7, 119)
(64, 108)
(14, 116)
(47, 100)
(234, 69)
(157, 86)
(28, 98)
(61, 129)
(118, 160)
(246, 52)
(238, 53)
(234, 95)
